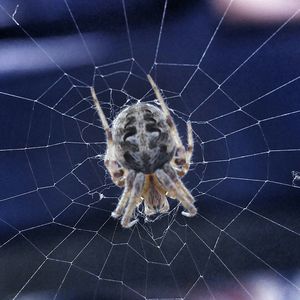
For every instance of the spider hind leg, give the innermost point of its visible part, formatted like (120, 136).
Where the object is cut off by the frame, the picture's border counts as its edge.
(119, 211)
(133, 201)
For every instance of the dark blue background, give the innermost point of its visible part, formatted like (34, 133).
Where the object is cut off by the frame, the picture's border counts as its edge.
(38, 186)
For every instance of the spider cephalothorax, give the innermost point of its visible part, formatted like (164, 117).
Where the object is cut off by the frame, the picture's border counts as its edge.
(146, 156)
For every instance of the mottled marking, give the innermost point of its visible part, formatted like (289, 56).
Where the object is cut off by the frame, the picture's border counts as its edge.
(181, 173)
(129, 131)
(130, 120)
(118, 174)
(180, 161)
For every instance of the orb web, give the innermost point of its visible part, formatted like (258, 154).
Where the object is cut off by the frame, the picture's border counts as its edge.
(57, 197)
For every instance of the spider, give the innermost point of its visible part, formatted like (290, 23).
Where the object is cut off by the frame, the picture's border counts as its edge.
(145, 155)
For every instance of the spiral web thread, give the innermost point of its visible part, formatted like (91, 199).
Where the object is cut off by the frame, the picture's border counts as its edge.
(67, 184)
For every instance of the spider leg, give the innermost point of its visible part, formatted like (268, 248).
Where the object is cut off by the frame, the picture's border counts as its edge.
(147, 193)
(166, 112)
(134, 199)
(190, 141)
(121, 204)
(102, 117)
(124, 198)
(155, 199)
(172, 183)
(182, 157)
(165, 208)
(117, 173)
(169, 170)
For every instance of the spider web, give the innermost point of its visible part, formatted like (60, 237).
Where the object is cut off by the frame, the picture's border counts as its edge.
(58, 240)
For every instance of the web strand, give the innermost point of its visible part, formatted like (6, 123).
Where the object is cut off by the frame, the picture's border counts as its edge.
(72, 192)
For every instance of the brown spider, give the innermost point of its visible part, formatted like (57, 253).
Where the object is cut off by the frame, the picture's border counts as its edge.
(146, 155)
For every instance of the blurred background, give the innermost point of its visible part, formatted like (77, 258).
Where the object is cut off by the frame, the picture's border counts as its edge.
(231, 67)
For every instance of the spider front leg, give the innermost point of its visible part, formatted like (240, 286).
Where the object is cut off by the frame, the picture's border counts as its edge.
(182, 158)
(125, 196)
(116, 172)
(166, 112)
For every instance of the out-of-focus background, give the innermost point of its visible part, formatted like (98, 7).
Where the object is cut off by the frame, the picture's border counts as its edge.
(231, 68)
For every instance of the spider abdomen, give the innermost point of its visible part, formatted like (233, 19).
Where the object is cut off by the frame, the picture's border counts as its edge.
(142, 137)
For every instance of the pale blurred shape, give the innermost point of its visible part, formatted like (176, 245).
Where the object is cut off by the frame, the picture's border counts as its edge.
(266, 288)
(258, 11)
(22, 55)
